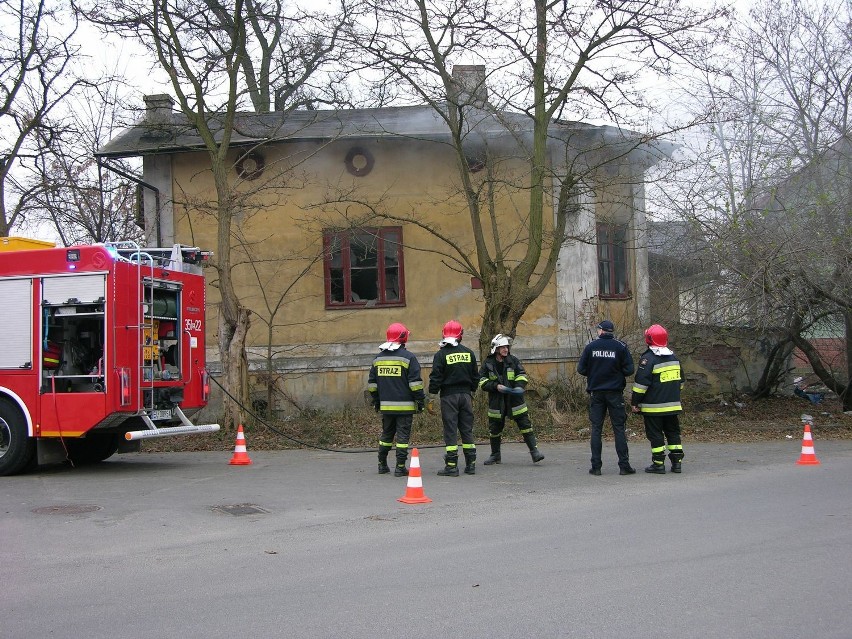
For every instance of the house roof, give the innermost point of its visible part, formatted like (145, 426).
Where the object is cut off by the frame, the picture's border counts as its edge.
(170, 132)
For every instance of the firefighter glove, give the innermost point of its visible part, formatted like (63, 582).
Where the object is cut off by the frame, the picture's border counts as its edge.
(419, 404)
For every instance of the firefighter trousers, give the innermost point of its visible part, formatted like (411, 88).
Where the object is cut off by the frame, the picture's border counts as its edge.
(396, 427)
(663, 431)
(457, 417)
(496, 426)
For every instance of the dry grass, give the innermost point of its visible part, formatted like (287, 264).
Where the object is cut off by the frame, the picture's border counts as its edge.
(556, 419)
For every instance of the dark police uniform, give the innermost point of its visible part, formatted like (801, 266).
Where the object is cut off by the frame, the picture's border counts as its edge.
(606, 362)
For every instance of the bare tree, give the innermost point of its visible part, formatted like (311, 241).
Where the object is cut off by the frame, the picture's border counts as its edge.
(771, 189)
(78, 200)
(221, 56)
(36, 76)
(546, 60)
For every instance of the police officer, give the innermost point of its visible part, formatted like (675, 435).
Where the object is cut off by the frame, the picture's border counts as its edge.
(396, 389)
(656, 394)
(455, 376)
(606, 362)
(503, 377)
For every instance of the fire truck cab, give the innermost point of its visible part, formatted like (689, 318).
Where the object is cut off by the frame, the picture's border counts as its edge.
(101, 346)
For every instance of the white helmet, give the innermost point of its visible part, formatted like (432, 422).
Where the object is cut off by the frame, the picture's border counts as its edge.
(500, 340)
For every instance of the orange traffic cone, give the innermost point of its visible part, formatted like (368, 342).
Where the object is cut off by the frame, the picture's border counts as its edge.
(240, 457)
(807, 458)
(414, 489)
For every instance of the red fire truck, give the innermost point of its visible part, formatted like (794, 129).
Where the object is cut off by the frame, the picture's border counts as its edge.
(100, 347)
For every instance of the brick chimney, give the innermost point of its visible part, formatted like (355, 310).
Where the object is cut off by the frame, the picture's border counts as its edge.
(470, 84)
(158, 108)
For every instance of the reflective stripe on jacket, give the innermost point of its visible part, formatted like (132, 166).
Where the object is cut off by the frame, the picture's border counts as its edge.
(512, 375)
(454, 370)
(657, 385)
(395, 382)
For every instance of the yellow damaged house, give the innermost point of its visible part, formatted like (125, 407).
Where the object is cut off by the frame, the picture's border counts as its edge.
(345, 222)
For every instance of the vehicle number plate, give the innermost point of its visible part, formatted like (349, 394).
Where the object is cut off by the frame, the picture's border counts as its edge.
(161, 414)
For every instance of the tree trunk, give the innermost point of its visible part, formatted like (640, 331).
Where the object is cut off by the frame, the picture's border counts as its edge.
(498, 317)
(846, 397)
(234, 318)
(774, 369)
(821, 371)
(232, 341)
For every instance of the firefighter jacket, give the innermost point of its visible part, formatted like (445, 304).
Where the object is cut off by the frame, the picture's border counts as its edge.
(605, 362)
(395, 383)
(454, 371)
(656, 387)
(510, 372)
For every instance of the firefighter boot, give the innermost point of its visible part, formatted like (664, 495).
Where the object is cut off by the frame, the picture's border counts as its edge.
(676, 458)
(494, 458)
(383, 460)
(658, 464)
(401, 456)
(451, 465)
(529, 439)
(470, 462)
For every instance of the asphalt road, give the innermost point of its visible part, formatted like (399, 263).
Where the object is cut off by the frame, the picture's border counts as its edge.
(745, 543)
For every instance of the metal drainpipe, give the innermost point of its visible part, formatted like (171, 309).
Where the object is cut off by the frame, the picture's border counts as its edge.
(102, 163)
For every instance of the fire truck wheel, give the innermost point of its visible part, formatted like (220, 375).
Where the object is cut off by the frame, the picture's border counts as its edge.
(17, 448)
(92, 449)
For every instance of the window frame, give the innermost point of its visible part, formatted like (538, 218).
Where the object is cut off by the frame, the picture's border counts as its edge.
(615, 250)
(382, 235)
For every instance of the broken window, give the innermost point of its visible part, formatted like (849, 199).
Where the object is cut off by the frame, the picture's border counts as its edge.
(363, 267)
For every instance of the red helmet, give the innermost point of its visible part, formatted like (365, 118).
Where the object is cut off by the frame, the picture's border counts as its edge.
(453, 329)
(397, 333)
(656, 335)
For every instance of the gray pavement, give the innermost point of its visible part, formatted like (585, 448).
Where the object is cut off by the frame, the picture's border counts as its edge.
(744, 543)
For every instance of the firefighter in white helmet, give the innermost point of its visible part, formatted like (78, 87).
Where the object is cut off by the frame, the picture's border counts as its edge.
(656, 394)
(396, 389)
(503, 377)
(455, 376)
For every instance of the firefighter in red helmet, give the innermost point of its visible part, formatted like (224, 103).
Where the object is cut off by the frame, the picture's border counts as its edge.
(656, 394)
(396, 389)
(503, 377)
(455, 376)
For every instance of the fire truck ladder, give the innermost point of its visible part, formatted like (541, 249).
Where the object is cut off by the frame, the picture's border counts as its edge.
(144, 262)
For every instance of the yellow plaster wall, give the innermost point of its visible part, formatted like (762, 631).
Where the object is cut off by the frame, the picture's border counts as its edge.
(282, 232)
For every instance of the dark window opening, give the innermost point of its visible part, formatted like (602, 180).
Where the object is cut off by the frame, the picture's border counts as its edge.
(612, 261)
(363, 267)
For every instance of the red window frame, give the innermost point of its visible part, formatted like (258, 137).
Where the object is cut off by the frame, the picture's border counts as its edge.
(613, 271)
(350, 277)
